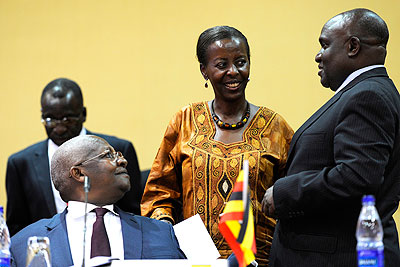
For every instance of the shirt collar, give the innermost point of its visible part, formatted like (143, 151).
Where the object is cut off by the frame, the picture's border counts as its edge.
(76, 209)
(355, 74)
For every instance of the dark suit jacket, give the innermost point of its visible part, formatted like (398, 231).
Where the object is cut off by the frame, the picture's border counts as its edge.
(348, 148)
(29, 194)
(143, 238)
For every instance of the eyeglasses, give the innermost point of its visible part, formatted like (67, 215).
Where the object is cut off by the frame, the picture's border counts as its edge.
(112, 155)
(67, 121)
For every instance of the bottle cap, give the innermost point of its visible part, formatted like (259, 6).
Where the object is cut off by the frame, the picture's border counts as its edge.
(368, 198)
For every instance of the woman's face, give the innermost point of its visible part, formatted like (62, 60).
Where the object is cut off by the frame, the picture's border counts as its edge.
(227, 67)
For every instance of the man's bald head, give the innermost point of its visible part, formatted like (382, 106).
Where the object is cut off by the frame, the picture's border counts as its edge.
(62, 109)
(350, 41)
(90, 156)
(69, 154)
(60, 88)
(367, 25)
(367, 30)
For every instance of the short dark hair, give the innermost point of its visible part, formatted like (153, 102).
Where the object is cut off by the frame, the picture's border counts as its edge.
(217, 33)
(368, 24)
(66, 86)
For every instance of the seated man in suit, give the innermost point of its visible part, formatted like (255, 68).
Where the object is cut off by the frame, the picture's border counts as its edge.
(130, 236)
(30, 193)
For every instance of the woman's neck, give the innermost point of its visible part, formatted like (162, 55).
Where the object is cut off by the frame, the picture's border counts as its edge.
(230, 110)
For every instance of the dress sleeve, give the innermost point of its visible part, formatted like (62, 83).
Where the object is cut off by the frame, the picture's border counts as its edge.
(161, 197)
(282, 135)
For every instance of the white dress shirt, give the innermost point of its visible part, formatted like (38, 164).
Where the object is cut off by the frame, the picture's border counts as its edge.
(51, 148)
(75, 224)
(355, 74)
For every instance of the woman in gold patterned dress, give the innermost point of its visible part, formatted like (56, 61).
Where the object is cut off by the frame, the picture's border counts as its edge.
(205, 144)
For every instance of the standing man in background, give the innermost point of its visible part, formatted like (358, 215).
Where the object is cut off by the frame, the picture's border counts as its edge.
(350, 147)
(31, 195)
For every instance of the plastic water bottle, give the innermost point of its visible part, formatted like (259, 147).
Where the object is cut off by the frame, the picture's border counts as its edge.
(4, 241)
(369, 235)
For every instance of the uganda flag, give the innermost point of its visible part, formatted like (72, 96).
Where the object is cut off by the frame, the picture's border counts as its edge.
(237, 222)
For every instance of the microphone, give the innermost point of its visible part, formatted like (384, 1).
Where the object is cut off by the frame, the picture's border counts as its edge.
(86, 188)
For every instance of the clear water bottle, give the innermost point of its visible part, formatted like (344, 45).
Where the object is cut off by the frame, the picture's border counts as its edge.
(369, 235)
(5, 241)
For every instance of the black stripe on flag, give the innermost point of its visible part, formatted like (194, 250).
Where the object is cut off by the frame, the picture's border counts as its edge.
(236, 196)
(243, 227)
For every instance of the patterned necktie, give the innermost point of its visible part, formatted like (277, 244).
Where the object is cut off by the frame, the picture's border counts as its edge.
(100, 242)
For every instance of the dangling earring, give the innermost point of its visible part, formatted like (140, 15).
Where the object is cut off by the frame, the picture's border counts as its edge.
(206, 84)
(248, 79)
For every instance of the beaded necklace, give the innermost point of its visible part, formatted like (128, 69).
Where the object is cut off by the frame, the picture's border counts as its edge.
(228, 126)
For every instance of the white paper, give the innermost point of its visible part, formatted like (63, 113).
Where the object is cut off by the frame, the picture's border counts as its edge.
(169, 263)
(97, 261)
(100, 261)
(194, 239)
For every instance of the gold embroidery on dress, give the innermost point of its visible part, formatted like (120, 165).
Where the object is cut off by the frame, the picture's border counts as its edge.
(217, 165)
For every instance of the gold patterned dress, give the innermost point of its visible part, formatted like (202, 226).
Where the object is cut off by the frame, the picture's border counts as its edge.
(192, 173)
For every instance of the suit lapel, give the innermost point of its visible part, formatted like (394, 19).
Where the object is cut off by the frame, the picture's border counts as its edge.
(311, 120)
(42, 169)
(131, 228)
(59, 246)
(372, 73)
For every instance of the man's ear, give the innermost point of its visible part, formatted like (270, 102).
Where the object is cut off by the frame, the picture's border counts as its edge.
(84, 113)
(76, 173)
(203, 71)
(354, 46)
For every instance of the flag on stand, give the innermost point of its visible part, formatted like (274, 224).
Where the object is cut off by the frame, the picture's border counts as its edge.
(237, 222)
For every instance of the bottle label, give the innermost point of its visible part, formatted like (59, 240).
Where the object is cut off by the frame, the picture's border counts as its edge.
(370, 258)
(4, 262)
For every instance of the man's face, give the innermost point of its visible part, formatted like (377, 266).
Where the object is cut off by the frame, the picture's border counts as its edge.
(108, 175)
(68, 115)
(332, 59)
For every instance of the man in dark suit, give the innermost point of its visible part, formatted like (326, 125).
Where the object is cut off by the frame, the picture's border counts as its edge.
(348, 148)
(30, 193)
(127, 236)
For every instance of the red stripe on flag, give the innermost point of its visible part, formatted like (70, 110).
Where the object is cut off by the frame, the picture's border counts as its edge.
(231, 239)
(232, 216)
(238, 186)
